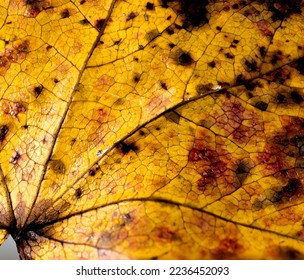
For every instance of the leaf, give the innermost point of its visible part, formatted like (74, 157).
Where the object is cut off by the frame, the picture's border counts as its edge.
(152, 130)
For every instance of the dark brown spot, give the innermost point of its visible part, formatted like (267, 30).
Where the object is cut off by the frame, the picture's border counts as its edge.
(300, 65)
(229, 55)
(117, 42)
(25, 126)
(262, 51)
(126, 148)
(150, 6)
(169, 17)
(274, 59)
(288, 253)
(142, 133)
(170, 31)
(164, 85)
(184, 59)
(296, 97)
(92, 172)
(281, 8)
(171, 45)
(3, 131)
(292, 190)
(211, 64)
(58, 166)
(56, 81)
(235, 41)
(48, 47)
(235, 6)
(78, 192)
(65, 13)
(173, 117)
(82, 2)
(218, 28)
(250, 65)
(84, 22)
(242, 171)
(136, 77)
(280, 98)
(261, 105)
(131, 16)
(38, 90)
(99, 24)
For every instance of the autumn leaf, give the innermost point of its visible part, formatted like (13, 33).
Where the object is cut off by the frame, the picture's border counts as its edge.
(152, 130)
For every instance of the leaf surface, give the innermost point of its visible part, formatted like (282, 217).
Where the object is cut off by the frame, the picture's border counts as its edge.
(159, 129)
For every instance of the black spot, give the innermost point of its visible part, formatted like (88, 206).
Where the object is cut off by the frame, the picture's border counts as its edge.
(171, 45)
(250, 85)
(65, 13)
(150, 6)
(218, 28)
(82, 2)
(235, 6)
(281, 8)
(3, 131)
(38, 90)
(261, 105)
(242, 171)
(170, 31)
(131, 16)
(251, 66)
(48, 47)
(184, 59)
(280, 98)
(290, 190)
(193, 12)
(84, 22)
(262, 51)
(92, 172)
(141, 133)
(126, 148)
(169, 17)
(300, 65)
(136, 78)
(99, 24)
(78, 193)
(289, 253)
(157, 128)
(116, 43)
(25, 126)
(296, 97)
(274, 59)
(235, 41)
(211, 64)
(164, 85)
(56, 81)
(229, 55)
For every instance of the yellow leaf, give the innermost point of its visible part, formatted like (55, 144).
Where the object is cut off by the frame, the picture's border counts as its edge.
(152, 130)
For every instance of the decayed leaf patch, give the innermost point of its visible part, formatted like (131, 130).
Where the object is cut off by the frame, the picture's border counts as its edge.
(166, 130)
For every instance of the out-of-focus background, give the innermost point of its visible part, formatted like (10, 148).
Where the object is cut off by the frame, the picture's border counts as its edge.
(8, 250)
